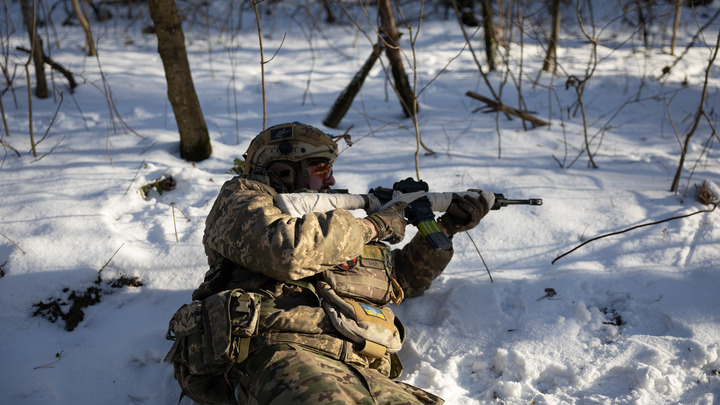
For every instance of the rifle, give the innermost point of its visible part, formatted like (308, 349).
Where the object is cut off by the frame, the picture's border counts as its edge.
(421, 205)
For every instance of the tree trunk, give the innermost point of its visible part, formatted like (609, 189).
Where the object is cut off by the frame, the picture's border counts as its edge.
(676, 25)
(194, 136)
(490, 39)
(345, 99)
(389, 29)
(554, 34)
(86, 26)
(28, 10)
(467, 14)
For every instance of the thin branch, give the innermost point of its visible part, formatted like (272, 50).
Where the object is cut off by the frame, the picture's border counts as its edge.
(110, 259)
(135, 177)
(691, 44)
(698, 116)
(481, 257)
(59, 141)
(11, 241)
(52, 121)
(174, 223)
(632, 228)
(262, 63)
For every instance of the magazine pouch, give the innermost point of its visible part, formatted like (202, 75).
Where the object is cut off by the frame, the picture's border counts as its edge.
(230, 319)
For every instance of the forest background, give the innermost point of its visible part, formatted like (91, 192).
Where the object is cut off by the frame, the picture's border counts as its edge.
(102, 211)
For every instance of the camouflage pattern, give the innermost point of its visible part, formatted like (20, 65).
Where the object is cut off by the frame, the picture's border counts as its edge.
(245, 227)
(366, 277)
(418, 264)
(302, 377)
(252, 245)
(289, 142)
(196, 373)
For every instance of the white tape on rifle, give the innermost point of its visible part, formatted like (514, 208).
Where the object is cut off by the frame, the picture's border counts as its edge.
(299, 204)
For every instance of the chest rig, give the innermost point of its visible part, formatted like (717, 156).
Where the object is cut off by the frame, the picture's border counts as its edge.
(355, 297)
(366, 278)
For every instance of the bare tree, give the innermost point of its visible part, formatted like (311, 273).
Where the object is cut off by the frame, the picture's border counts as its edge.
(90, 43)
(194, 137)
(392, 50)
(344, 100)
(676, 24)
(554, 37)
(490, 38)
(29, 16)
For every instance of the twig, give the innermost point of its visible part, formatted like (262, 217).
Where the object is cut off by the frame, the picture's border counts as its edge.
(174, 223)
(135, 177)
(481, 257)
(698, 116)
(52, 121)
(50, 365)
(262, 63)
(690, 45)
(7, 145)
(632, 228)
(111, 257)
(107, 144)
(11, 241)
(51, 150)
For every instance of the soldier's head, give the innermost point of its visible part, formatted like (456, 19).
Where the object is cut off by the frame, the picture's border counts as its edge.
(293, 156)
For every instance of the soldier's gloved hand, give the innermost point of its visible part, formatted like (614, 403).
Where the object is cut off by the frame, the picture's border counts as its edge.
(389, 223)
(464, 213)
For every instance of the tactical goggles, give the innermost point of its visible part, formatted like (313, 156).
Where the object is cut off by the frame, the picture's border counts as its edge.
(322, 170)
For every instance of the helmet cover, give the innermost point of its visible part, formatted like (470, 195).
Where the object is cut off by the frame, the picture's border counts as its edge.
(292, 142)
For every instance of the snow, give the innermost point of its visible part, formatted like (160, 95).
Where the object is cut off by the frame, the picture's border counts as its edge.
(635, 317)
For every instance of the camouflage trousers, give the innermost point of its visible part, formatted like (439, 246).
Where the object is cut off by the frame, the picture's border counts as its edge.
(303, 377)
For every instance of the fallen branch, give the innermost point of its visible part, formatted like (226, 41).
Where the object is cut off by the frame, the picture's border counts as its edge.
(495, 106)
(632, 228)
(7, 145)
(68, 74)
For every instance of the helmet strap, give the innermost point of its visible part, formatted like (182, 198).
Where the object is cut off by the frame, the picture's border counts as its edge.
(270, 178)
(305, 171)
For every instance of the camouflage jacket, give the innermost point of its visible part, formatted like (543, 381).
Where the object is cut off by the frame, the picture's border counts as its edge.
(251, 244)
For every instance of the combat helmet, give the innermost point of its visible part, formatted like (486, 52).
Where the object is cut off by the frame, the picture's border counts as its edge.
(295, 143)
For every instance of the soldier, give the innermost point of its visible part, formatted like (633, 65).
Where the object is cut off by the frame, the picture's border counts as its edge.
(323, 330)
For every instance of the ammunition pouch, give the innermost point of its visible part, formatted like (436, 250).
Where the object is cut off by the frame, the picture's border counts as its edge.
(211, 336)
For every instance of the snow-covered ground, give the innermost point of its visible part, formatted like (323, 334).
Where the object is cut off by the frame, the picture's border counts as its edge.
(634, 318)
